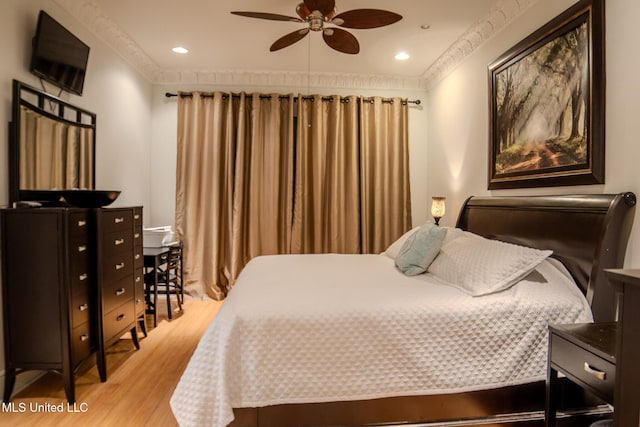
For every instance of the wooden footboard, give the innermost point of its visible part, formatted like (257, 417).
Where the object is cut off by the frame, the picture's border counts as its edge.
(516, 402)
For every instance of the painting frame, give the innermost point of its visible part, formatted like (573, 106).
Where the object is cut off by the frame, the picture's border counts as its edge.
(569, 149)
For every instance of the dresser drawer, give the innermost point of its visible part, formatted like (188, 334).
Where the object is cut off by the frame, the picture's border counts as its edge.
(80, 272)
(137, 236)
(116, 293)
(117, 321)
(79, 249)
(80, 343)
(80, 308)
(81, 281)
(138, 257)
(584, 367)
(118, 242)
(137, 216)
(116, 220)
(138, 284)
(79, 223)
(116, 268)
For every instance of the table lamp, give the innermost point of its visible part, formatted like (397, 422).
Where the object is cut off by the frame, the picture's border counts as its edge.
(437, 208)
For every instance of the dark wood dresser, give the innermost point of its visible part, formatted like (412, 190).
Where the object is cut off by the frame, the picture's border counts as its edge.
(138, 269)
(69, 287)
(115, 262)
(48, 291)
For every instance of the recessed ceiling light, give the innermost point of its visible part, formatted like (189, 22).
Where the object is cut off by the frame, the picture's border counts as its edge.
(180, 49)
(425, 26)
(402, 56)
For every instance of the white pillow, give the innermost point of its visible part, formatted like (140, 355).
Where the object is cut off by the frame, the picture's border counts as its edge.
(479, 266)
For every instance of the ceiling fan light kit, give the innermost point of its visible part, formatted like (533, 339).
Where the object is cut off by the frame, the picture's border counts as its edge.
(318, 13)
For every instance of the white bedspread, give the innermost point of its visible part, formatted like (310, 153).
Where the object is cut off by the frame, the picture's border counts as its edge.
(315, 328)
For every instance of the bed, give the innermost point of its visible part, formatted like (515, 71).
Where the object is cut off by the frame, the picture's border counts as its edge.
(350, 340)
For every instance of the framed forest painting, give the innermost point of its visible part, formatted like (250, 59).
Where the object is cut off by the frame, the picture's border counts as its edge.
(547, 98)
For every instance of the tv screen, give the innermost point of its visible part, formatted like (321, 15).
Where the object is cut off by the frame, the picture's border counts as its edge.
(58, 56)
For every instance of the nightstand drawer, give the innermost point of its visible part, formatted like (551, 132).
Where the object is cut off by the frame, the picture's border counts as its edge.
(584, 367)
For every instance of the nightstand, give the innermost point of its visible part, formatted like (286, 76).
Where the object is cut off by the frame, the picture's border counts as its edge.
(586, 354)
(627, 402)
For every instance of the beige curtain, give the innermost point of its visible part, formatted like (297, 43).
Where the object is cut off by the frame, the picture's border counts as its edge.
(352, 175)
(243, 188)
(234, 184)
(327, 205)
(384, 169)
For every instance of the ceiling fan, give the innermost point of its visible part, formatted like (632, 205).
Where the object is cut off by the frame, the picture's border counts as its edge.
(318, 13)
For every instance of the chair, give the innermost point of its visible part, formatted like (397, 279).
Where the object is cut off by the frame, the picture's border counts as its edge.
(168, 279)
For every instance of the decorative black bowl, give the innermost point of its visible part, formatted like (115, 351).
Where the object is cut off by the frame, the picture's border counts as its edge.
(90, 198)
(45, 196)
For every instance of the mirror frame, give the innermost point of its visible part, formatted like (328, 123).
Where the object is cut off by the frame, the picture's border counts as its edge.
(60, 110)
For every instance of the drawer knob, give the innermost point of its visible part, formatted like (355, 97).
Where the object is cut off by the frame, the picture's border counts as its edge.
(120, 292)
(136, 236)
(137, 256)
(118, 242)
(84, 337)
(120, 317)
(82, 248)
(118, 220)
(136, 216)
(82, 223)
(84, 307)
(83, 277)
(138, 279)
(595, 372)
(120, 266)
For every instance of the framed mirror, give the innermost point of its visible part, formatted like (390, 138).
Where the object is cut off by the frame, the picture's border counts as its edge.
(51, 146)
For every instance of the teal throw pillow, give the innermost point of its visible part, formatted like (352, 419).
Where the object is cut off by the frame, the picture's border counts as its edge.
(420, 249)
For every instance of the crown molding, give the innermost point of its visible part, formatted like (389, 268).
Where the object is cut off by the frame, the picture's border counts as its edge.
(498, 17)
(92, 16)
(226, 78)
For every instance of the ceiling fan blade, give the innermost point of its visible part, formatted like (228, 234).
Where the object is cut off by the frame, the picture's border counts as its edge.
(341, 40)
(269, 16)
(324, 6)
(365, 18)
(289, 39)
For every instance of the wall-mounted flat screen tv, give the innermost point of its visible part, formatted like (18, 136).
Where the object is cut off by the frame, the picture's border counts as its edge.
(58, 56)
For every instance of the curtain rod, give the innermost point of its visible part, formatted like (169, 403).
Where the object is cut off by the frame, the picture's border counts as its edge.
(295, 98)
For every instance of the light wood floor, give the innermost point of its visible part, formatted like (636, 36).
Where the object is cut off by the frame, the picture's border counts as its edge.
(138, 386)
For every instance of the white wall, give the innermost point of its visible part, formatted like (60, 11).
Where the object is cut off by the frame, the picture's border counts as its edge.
(164, 132)
(459, 116)
(119, 96)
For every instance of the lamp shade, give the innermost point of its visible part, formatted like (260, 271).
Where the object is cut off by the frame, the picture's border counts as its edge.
(437, 208)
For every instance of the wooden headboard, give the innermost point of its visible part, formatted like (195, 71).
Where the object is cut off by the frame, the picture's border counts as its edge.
(587, 233)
